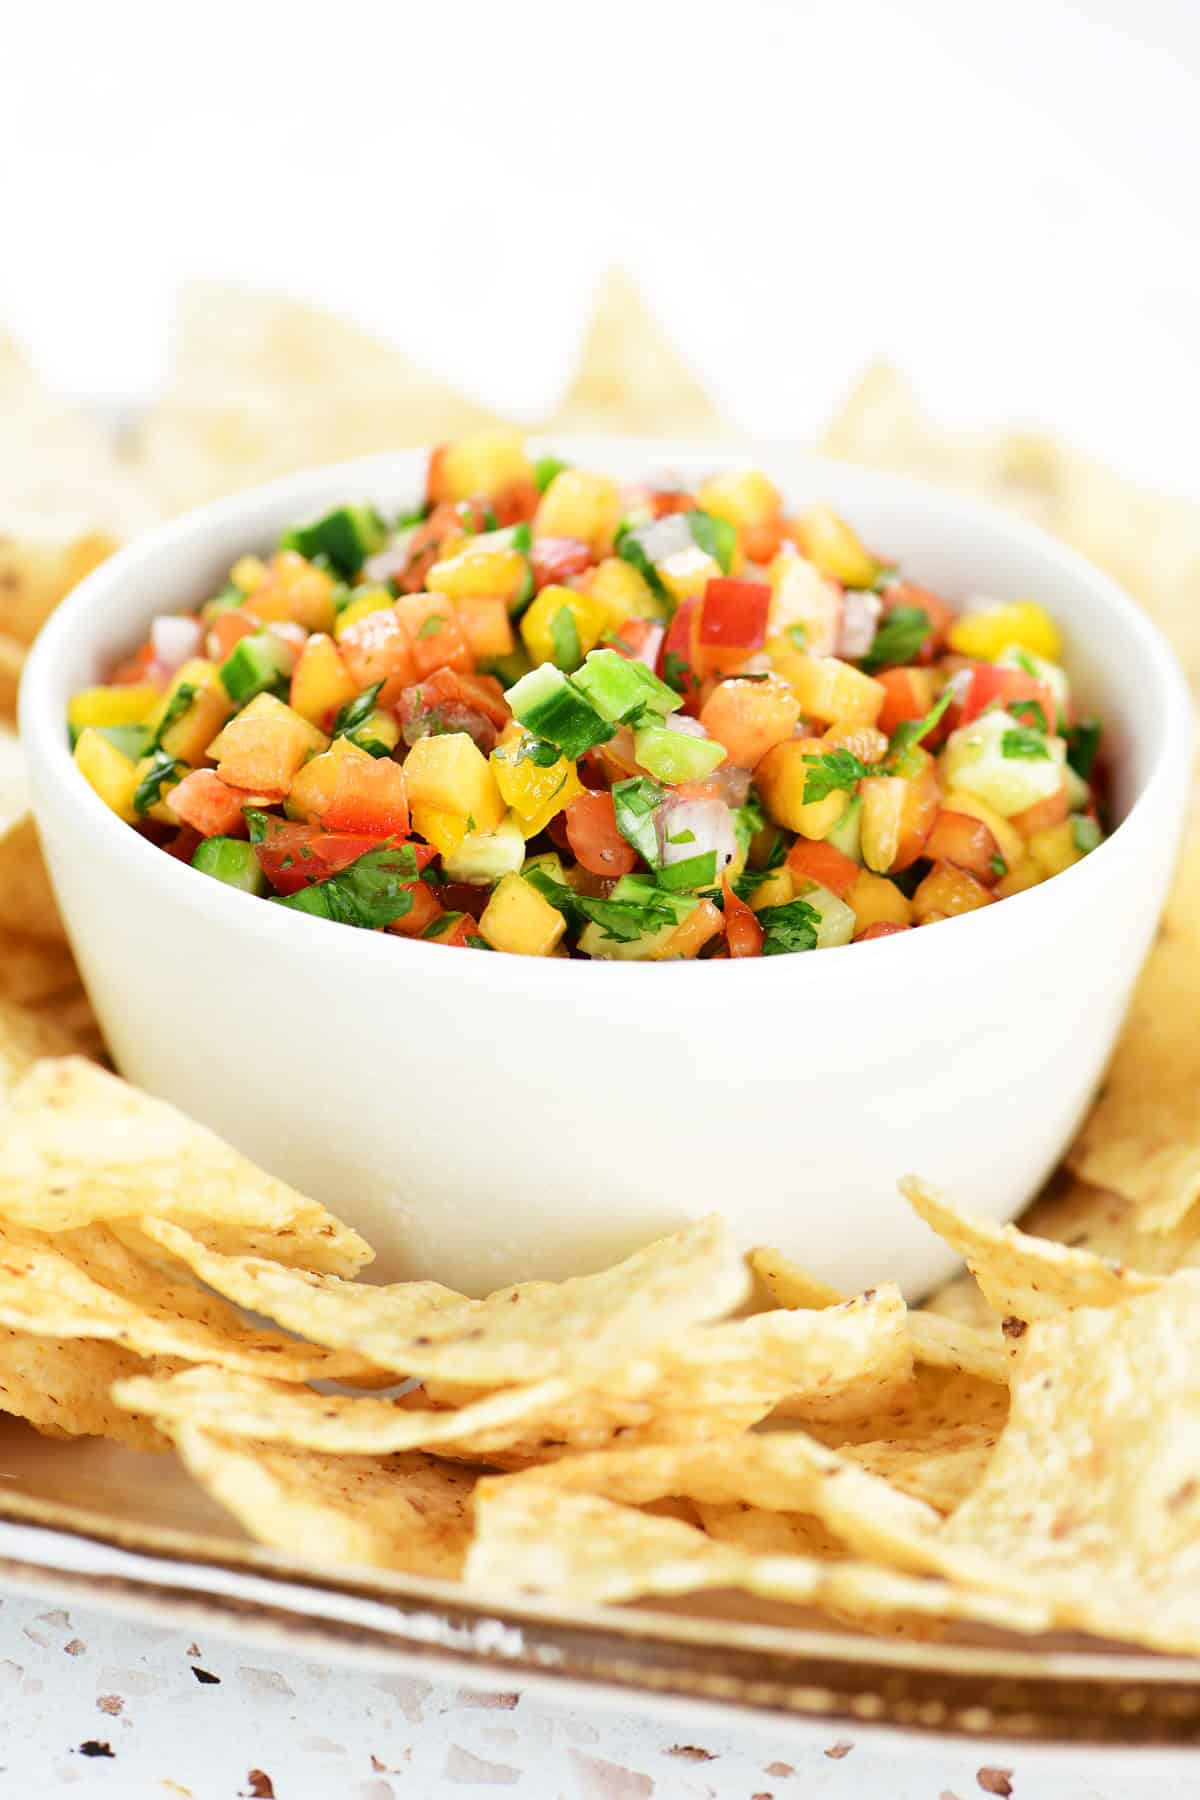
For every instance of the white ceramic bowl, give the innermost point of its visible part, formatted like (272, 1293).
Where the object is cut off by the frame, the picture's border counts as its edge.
(488, 1118)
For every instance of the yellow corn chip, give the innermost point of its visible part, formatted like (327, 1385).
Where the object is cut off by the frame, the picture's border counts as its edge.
(27, 903)
(1024, 1277)
(398, 1512)
(525, 1333)
(79, 1146)
(12, 663)
(62, 1386)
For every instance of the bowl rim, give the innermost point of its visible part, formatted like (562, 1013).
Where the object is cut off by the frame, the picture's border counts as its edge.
(46, 744)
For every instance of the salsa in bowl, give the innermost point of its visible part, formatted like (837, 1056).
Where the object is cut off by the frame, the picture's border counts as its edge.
(556, 711)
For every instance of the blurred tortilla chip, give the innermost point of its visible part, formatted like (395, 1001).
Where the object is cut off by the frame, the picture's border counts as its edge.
(63, 1387)
(630, 377)
(27, 902)
(404, 1512)
(79, 1146)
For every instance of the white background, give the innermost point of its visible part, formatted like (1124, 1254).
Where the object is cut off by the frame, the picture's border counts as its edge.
(1000, 196)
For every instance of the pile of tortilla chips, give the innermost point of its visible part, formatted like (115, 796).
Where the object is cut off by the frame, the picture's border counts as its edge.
(1022, 1452)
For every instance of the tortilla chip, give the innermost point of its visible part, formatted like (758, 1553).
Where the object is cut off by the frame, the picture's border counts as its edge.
(12, 664)
(1143, 1137)
(398, 1512)
(25, 1038)
(1091, 1501)
(630, 377)
(934, 1340)
(27, 902)
(265, 386)
(1024, 1277)
(942, 1469)
(709, 1382)
(85, 1284)
(79, 1146)
(525, 1333)
(581, 1548)
(62, 1387)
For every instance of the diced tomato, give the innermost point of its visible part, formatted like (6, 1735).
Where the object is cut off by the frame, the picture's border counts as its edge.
(637, 640)
(448, 519)
(880, 929)
(185, 842)
(1038, 817)
(455, 934)
(743, 933)
(733, 614)
(377, 648)
(965, 842)
(294, 856)
(940, 615)
(814, 860)
(517, 504)
(369, 795)
(711, 788)
(591, 826)
(991, 686)
(664, 501)
(203, 801)
(464, 896)
(435, 635)
(136, 668)
(675, 663)
(228, 629)
(908, 695)
(555, 558)
(425, 908)
(450, 700)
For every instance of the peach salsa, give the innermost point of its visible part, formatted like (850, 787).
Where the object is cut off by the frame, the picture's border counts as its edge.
(553, 713)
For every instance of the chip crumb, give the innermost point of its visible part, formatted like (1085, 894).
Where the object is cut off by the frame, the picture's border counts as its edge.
(782, 1768)
(995, 1781)
(76, 1647)
(112, 1704)
(95, 1747)
(206, 1678)
(1014, 1328)
(691, 1753)
(261, 1786)
(192, 1650)
(477, 1771)
(481, 1698)
(835, 1752)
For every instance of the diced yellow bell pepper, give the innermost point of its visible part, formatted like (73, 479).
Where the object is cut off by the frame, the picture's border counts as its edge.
(744, 497)
(623, 592)
(474, 572)
(484, 464)
(1024, 875)
(828, 689)
(320, 682)
(566, 641)
(580, 505)
(366, 600)
(160, 810)
(100, 706)
(1009, 841)
(781, 778)
(520, 920)
(444, 830)
(248, 573)
(108, 770)
(775, 889)
(987, 633)
(875, 900)
(687, 573)
(1055, 849)
(450, 772)
(535, 794)
(829, 542)
(193, 731)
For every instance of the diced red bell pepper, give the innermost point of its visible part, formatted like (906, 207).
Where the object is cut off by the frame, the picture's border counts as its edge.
(553, 559)
(517, 504)
(369, 796)
(591, 825)
(813, 860)
(294, 856)
(991, 686)
(452, 700)
(908, 695)
(733, 614)
(675, 661)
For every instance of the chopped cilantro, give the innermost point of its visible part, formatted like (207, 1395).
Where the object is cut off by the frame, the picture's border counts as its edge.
(748, 820)
(831, 770)
(1023, 741)
(677, 671)
(356, 712)
(910, 731)
(370, 892)
(163, 768)
(564, 635)
(1083, 744)
(901, 637)
(621, 920)
(998, 866)
(475, 942)
(635, 802)
(1024, 661)
(790, 927)
(630, 549)
(433, 624)
(258, 824)
(1031, 712)
(538, 751)
(445, 922)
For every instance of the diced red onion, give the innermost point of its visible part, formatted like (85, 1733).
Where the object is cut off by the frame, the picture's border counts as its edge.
(735, 782)
(667, 537)
(709, 821)
(860, 617)
(651, 646)
(175, 640)
(391, 561)
(293, 637)
(686, 726)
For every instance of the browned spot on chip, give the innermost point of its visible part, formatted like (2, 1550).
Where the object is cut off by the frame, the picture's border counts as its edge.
(995, 1781)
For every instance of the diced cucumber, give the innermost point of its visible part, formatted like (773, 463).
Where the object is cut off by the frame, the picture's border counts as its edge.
(594, 941)
(545, 469)
(618, 688)
(980, 758)
(346, 537)
(1052, 674)
(546, 703)
(133, 741)
(640, 890)
(674, 756)
(716, 537)
(846, 834)
(231, 860)
(509, 669)
(838, 923)
(254, 665)
(486, 856)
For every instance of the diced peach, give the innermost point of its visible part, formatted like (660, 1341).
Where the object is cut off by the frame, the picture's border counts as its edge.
(263, 747)
(486, 626)
(203, 801)
(377, 648)
(824, 864)
(1042, 814)
(967, 843)
(750, 717)
(946, 891)
(435, 635)
(321, 682)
